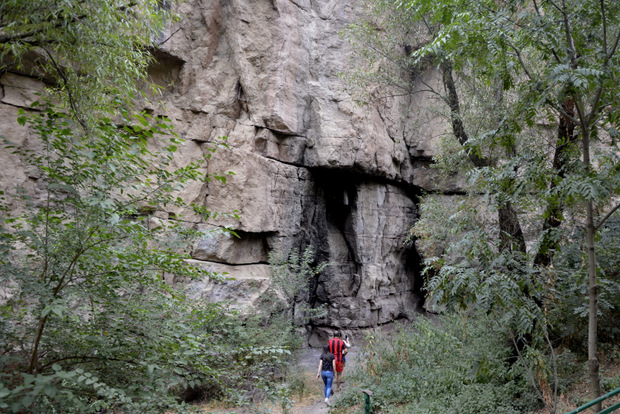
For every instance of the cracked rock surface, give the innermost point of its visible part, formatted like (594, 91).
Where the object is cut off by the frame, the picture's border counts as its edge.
(311, 167)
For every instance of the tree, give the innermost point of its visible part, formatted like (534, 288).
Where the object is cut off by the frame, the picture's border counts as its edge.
(292, 279)
(392, 33)
(579, 72)
(91, 53)
(544, 63)
(86, 305)
(87, 320)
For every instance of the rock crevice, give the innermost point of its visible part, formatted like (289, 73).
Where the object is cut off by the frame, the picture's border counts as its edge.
(311, 167)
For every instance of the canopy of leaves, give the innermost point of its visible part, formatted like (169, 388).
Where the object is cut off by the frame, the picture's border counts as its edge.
(91, 52)
(516, 64)
(87, 320)
(530, 89)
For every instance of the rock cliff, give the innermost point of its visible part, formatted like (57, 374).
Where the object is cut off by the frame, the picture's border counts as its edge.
(311, 167)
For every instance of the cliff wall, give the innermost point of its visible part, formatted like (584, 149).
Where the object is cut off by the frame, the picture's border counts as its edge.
(311, 167)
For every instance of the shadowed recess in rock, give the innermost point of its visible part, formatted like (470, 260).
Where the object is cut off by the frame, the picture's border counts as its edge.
(359, 226)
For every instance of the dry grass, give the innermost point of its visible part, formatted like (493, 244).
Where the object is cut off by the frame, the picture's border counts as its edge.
(579, 394)
(307, 390)
(313, 391)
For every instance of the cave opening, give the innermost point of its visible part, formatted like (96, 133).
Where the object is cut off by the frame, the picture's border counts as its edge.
(332, 224)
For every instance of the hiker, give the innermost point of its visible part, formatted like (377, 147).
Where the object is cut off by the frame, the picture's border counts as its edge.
(338, 347)
(327, 367)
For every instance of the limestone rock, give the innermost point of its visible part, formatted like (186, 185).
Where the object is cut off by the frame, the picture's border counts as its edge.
(241, 286)
(311, 168)
(19, 90)
(242, 248)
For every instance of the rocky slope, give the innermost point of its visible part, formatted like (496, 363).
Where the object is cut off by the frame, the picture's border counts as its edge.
(311, 168)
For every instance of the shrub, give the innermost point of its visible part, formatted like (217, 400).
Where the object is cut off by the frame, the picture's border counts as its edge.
(87, 321)
(459, 364)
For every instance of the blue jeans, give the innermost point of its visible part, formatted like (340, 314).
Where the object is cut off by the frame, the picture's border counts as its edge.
(328, 378)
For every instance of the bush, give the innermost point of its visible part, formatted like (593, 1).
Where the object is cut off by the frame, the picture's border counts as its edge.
(568, 291)
(87, 321)
(460, 364)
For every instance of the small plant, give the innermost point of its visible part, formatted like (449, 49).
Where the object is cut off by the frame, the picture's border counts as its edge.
(291, 278)
(297, 384)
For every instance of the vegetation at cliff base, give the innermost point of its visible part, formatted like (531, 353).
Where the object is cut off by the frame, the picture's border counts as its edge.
(90, 320)
(457, 364)
(528, 93)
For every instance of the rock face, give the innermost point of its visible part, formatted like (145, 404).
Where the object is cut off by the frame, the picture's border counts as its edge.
(311, 168)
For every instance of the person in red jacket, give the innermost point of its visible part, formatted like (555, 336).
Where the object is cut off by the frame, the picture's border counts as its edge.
(338, 347)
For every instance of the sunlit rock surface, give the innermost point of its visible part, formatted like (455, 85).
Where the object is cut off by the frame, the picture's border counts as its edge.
(311, 167)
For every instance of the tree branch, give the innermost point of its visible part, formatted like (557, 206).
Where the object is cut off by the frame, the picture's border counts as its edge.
(604, 219)
(614, 48)
(561, 111)
(569, 37)
(554, 359)
(432, 90)
(608, 57)
(169, 37)
(513, 47)
(58, 25)
(35, 346)
(66, 84)
(528, 370)
(555, 5)
(583, 120)
(604, 21)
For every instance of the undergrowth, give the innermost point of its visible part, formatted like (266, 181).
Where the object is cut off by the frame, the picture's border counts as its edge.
(457, 364)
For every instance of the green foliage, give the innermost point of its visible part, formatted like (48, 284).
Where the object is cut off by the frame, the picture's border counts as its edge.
(538, 128)
(458, 364)
(87, 321)
(92, 52)
(568, 295)
(382, 41)
(464, 267)
(518, 68)
(292, 277)
(297, 384)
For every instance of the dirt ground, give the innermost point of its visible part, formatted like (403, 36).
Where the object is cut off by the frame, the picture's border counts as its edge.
(311, 401)
(580, 391)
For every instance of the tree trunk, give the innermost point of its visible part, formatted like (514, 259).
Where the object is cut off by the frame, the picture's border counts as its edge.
(511, 235)
(553, 212)
(34, 356)
(455, 116)
(593, 365)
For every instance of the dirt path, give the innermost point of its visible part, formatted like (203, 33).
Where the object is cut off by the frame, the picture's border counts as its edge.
(312, 399)
(308, 362)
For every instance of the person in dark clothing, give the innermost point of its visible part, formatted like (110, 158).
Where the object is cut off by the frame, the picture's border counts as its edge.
(327, 367)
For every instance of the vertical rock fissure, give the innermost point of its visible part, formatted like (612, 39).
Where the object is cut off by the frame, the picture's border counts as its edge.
(344, 219)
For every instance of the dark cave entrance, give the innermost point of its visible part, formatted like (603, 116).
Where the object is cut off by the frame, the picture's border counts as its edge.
(330, 223)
